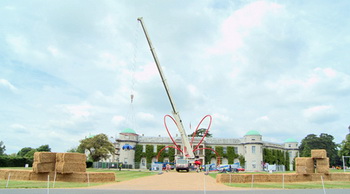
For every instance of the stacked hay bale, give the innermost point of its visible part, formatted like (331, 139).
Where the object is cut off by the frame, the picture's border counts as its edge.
(67, 163)
(322, 162)
(304, 165)
(70, 167)
(44, 162)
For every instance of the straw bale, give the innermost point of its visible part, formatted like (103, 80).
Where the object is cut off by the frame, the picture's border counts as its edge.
(102, 177)
(275, 177)
(43, 167)
(339, 176)
(304, 165)
(71, 157)
(322, 169)
(289, 177)
(317, 177)
(4, 174)
(20, 174)
(83, 177)
(305, 170)
(322, 162)
(65, 167)
(44, 157)
(321, 153)
(261, 178)
(304, 161)
(41, 176)
(295, 177)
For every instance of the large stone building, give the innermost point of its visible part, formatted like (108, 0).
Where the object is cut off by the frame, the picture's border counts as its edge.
(250, 146)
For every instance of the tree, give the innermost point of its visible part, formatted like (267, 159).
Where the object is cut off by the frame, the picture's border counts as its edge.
(241, 160)
(24, 151)
(345, 148)
(2, 148)
(44, 148)
(324, 141)
(98, 147)
(200, 133)
(76, 150)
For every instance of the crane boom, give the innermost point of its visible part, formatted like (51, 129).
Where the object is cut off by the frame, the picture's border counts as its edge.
(187, 148)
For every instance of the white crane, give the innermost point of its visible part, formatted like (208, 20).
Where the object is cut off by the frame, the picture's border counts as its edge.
(187, 148)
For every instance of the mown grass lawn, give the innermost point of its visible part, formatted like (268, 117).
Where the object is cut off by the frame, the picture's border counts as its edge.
(123, 175)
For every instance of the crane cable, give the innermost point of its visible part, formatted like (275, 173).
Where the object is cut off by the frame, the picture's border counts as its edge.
(131, 117)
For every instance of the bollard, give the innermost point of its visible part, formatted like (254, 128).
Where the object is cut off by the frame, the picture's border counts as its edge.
(8, 180)
(88, 179)
(48, 184)
(324, 190)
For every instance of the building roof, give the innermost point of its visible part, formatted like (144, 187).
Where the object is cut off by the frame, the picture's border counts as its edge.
(252, 132)
(290, 140)
(128, 130)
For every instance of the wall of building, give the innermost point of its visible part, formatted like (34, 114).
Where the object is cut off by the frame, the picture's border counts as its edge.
(250, 146)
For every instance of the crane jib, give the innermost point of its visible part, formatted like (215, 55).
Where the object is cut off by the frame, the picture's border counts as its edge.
(186, 144)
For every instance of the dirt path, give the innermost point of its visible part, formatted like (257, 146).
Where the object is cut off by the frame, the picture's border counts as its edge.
(170, 181)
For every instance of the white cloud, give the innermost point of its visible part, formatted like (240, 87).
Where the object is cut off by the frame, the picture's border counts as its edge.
(321, 114)
(145, 116)
(262, 118)
(5, 83)
(17, 126)
(81, 111)
(118, 119)
(240, 24)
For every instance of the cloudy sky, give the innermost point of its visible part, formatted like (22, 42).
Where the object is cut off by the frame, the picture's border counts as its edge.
(68, 68)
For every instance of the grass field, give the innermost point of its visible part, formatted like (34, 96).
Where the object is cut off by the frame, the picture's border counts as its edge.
(120, 176)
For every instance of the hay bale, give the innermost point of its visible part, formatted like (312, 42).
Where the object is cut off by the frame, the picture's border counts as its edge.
(4, 174)
(43, 167)
(71, 157)
(83, 177)
(322, 165)
(41, 176)
(304, 165)
(322, 162)
(304, 161)
(317, 177)
(321, 153)
(339, 176)
(322, 169)
(20, 174)
(295, 177)
(44, 157)
(67, 167)
(102, 177)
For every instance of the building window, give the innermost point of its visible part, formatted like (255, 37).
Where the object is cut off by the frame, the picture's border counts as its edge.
(155, 148)
(254, 163)
(236, 150)
(290, 154)
(253, 149)
(253, 139)
(144, 148)
(166, 150)
(224, 150)
(290, 145)
(213, 151)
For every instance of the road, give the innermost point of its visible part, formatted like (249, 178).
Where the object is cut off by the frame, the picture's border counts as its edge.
(104, 191)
